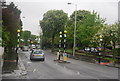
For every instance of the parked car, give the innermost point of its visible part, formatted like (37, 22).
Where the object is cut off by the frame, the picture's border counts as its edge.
(87, 49)
(25, 48)
(94, 50)
(37, 54)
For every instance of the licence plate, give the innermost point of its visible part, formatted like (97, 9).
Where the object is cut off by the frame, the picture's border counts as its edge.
(38, 55)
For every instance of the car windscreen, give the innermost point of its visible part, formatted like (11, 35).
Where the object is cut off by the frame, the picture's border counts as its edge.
(37, 52)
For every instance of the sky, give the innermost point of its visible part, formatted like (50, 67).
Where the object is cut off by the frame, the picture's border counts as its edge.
(33, 10)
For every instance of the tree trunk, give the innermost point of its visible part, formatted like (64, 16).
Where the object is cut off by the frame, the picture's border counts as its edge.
(53, 42)
(114, 52)
(9, 55)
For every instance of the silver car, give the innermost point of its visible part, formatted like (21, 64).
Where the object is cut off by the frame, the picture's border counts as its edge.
(37, 54)
(25, 48)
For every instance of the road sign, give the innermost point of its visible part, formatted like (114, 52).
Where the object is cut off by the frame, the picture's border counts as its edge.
(64, 57)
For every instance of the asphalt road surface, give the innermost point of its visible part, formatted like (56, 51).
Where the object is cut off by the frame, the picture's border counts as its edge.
(76, 69)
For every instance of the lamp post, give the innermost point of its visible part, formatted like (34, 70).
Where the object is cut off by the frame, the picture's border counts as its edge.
(101, 39)
(18, 49)
(60, 45)
(18, 33)
(65, 54)
(65, 32)
(74, 44)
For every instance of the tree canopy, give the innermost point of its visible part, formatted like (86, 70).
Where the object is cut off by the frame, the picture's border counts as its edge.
(52, 23)
(88, 23)
(11, 23)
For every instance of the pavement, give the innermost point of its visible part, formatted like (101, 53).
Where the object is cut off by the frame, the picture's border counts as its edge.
(1, 61)
(16, 74)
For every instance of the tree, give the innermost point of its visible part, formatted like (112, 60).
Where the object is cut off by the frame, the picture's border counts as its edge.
(52, 23)
(87, 25)
(110, 35)
(33, 37)
(26, 36)
(11, 22)
(0, 28)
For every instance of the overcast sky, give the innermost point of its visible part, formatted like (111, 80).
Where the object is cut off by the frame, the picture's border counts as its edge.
(33, 10)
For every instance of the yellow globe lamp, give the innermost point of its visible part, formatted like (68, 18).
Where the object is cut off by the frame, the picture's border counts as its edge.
(18, 31)
(60, 32)
(65, 31)
(101, 36)
(31, 42)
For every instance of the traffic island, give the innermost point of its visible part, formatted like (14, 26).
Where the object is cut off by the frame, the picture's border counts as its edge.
(57, 60)
(62, 61)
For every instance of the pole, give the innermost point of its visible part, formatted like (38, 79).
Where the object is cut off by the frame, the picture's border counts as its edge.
(74, 45)
(100, 48)
(64, 42)
(18, 40)
(100, 53)
(18, 47)
(60, 44)
(64, 54)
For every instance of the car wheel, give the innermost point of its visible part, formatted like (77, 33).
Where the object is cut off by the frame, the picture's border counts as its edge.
(43, 59)
(31, 59)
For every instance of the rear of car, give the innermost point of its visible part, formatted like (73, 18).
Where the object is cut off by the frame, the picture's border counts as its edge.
(94, 50)
(37, 55)
(25, 48)
(87, 49)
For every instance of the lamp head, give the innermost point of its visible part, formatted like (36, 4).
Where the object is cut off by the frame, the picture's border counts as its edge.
(65, 31)
(100, 36)
(60, 32)
(18, 31)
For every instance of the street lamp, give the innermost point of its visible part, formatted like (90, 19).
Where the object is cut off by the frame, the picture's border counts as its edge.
(74, 44)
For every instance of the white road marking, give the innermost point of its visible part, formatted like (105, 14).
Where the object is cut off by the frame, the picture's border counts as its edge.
(78, 73)
(29, 62)
(56, 64)
(64, 67)
(34, 70)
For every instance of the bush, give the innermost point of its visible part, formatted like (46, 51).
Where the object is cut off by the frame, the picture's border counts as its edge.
(76, 48)
(116, 51)
(109, 47)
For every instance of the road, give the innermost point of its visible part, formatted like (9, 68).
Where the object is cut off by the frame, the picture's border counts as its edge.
(76, 69)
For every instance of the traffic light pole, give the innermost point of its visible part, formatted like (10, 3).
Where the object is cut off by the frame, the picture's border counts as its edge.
(60, 45)
(101, 39)
(64, 53)
(100, 54)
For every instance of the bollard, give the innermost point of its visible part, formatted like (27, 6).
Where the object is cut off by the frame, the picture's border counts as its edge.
(58, 55)
(65, 57)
